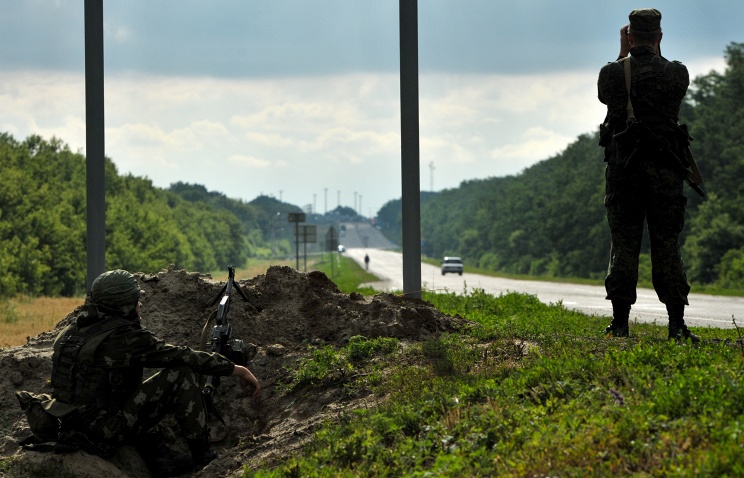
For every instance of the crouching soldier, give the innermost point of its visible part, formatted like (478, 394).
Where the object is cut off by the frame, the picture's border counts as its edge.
(98, 387)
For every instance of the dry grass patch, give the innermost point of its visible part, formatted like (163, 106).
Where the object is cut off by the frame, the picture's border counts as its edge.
(23, 317)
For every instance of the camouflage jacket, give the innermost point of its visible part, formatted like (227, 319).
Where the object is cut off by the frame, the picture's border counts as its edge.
(136, 346)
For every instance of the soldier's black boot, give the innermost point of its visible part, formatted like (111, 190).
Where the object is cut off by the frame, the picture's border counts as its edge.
(677, 328)
(201, 451)
(162, 461)
(619, 325)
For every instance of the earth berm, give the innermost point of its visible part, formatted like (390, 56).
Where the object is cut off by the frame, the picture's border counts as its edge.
(286, 315)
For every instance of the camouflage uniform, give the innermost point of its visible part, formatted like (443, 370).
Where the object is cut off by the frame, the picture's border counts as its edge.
(649, 188)
(130, 407)
(175, 390)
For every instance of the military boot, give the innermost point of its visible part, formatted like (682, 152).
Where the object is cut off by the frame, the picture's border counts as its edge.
(162, 460)
(619, 325)
(201, 451)
(677, 328)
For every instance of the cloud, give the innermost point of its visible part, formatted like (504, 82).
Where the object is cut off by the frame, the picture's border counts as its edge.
(537, 142)
(301, 135)
(253, 162)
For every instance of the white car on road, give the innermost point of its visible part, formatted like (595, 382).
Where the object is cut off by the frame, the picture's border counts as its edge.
(452, 264)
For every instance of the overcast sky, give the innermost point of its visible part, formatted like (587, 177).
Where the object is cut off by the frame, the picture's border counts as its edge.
(299, 99)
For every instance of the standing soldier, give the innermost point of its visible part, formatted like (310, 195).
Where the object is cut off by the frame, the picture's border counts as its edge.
(98, 387)
(644, 176)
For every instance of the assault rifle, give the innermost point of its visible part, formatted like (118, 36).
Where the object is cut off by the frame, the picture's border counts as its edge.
(222, 342)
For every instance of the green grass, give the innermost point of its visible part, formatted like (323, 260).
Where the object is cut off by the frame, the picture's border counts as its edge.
(345, 273)
(531, 390)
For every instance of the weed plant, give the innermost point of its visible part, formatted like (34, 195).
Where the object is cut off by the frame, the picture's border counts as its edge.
(532, 390)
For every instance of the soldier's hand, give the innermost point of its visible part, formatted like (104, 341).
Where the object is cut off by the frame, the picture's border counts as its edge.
(247, 379)
(624, 42)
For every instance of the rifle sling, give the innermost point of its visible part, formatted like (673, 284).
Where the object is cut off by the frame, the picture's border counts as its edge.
(626, 61)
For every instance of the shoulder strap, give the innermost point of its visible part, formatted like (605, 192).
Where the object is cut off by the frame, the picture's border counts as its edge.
(626, 61)
(99, 332)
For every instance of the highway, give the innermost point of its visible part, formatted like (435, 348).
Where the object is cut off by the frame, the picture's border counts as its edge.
(703, 311)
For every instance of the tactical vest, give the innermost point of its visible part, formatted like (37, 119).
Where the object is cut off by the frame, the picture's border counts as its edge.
(75, 378)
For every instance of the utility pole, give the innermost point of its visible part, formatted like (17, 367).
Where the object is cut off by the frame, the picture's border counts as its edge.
(431, 176)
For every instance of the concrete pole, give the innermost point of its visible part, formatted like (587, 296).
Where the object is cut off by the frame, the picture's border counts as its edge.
(95, 177)
(409, 134)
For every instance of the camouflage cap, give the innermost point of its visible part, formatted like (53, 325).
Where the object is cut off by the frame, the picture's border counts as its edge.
(116, 290)
(645, 20)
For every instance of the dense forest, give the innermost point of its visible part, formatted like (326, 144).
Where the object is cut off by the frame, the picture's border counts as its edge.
(547, 220)
(550, 219)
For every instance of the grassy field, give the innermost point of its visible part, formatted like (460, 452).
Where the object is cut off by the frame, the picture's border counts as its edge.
(530, 391)
(23, 317)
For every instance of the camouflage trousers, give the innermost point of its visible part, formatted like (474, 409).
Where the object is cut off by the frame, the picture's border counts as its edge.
(650, 192)
(176, 392)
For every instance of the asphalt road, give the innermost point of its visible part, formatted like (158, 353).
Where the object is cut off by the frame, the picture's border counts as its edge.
(703, 311)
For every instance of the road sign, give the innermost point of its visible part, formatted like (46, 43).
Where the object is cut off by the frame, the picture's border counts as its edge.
(296, 217)
(308, 233)
(331, 239)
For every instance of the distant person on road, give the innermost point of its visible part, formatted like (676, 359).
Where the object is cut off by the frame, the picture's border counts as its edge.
(366, 262)
(643, 177)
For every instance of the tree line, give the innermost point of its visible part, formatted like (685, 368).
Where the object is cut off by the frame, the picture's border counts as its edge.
(43, 222)
(550, 218)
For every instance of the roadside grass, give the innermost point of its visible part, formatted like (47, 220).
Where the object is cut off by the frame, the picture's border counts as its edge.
(346, 273)
(530, 390)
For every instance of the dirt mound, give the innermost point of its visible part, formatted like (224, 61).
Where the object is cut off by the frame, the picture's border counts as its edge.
(286, 313)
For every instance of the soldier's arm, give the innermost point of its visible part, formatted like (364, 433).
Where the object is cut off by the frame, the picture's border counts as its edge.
(142, 348)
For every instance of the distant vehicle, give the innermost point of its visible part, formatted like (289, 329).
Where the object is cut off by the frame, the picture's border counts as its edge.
(341, 248)
(452, 264)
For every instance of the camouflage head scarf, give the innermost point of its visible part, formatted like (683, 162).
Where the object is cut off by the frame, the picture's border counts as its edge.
(115, 292)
